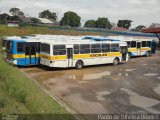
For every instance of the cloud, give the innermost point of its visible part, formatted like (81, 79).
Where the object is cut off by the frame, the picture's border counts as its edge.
(140, 11)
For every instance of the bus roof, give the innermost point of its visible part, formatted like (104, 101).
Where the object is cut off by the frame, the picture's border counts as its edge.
(126, 38)
(81, 42)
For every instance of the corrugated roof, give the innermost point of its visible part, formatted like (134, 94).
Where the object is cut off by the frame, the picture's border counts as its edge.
(45, 20)
(152, 30)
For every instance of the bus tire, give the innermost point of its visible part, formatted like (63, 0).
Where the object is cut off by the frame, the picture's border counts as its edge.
(79, 65)
(116, 61)
(147, 54)
(129, 55)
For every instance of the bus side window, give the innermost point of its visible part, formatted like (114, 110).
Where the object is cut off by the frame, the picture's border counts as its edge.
(106, 48)
(45, 48)
(129, 44)
(59, 50)
(96, 48)
(76, 49)
(144, 44)
(115, 48)
(20, 47)
(133, 44)
(85, 49)
(148, 43)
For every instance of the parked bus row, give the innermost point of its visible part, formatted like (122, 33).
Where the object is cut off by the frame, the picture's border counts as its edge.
(73, 51)
(138, 46)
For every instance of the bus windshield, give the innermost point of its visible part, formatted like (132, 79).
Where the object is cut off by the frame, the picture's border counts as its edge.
(9, 46)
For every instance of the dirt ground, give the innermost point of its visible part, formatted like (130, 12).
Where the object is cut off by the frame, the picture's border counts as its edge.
(132, 88)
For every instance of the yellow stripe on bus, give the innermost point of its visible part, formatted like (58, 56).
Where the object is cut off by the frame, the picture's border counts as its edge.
(138, 49)
(18, 56)
(63, 57)
(82, 56)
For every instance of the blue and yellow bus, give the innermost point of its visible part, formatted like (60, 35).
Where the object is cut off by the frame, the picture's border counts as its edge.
(23, 52)
(138, 46)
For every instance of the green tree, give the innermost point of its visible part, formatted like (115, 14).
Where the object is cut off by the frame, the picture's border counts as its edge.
(13, 18)
(70, 19)
(154, 25)
(139, 27)
(16, 12)
(103, 23)
(3, 18)
(90, 24)
(124, 23)
(35, 20)
(48, 14)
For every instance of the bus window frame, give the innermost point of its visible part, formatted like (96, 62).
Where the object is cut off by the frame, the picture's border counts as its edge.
(89, 52)
(23, 47)
(135, 44)
(98, 50)
(145, 44)
(10, 47)
(76, 49)
(65, 53)
(149, 45)
(115, 47)
(107, 49)
(47, 52)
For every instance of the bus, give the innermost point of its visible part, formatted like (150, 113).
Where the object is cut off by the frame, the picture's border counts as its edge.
(24, 50)
(138, 46)
(80, 53)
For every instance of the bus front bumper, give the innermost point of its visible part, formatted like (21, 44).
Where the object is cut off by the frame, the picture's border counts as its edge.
(13, 62)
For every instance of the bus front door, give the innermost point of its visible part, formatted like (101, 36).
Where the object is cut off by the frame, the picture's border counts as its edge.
(30, 55)
(138, 48)
(124, 51)
(70, 57)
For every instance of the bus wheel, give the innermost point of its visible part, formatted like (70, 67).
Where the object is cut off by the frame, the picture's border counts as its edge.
(116, 61)
(147, 54)
(129, 55)
(79, 65)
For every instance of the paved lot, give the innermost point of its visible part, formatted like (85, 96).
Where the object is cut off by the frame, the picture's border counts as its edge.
(127, 88)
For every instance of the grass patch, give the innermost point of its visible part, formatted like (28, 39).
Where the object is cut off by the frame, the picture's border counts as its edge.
(15, 31)
(26, 92)
(9, 104)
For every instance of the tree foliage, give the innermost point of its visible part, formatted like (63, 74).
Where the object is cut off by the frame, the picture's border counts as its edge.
(90, 24)
(3, 18)
(124, 23)
(154, 25)
(48, 14)
(138, 28)
(103, 23)
(70, 19)
(16, 12)
(35, 20)
(13, 18)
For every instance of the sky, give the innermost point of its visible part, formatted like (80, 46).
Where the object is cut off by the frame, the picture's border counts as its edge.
(141, 12)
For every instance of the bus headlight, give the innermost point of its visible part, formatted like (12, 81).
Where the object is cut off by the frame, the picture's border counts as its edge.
(15, 62)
